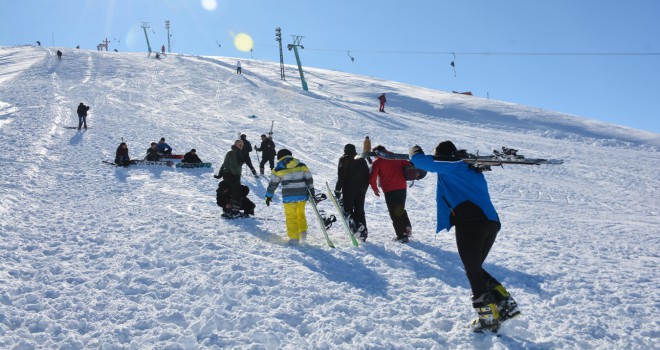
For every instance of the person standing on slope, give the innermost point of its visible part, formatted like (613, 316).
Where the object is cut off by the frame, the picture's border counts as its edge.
(238, 68)
(82, 115)
(296, 179)
(463, 201)
(352, 185)
(382, 100)
(267, 150)
(393, 182)
(247, 148)
(366, 147)
(231, 172)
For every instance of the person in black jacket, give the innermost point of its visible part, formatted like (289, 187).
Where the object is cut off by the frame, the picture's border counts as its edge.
(247, 148)
(191, 157)
(121, 155)
(152, 153)
(223, 199)
(267, 150)
(352, 184)
(82, 115)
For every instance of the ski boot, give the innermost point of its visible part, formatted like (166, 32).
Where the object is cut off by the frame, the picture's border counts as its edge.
(363, 233)
(489, 317)
(506, 306)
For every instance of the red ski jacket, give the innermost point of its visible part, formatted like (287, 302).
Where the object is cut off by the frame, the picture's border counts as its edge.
(390, 173)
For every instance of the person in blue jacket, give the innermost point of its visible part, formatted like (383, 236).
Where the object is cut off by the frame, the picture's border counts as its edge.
(163, 147)
(463, 201)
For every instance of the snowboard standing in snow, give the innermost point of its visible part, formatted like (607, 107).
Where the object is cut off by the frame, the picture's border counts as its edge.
(324, 221)
(341, 215)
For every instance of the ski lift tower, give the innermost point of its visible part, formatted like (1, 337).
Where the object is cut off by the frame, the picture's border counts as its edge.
(145, 25)
(294, 46)
(167, 26)
(278, 37)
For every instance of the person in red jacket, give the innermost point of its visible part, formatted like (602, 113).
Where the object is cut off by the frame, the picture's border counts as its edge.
(382, 100)
(389, 172)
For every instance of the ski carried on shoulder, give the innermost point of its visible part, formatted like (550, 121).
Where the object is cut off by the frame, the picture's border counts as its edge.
(341, 215)
(322, 221)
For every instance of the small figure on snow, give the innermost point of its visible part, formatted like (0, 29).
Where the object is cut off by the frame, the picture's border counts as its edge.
(366, 147)
(162, 49)
(393, 182)
(191, 157)
(121, 155)
(152, 153)
(352, 185)
(38, 43)
(223, 198)
(59, 54)
(463, 201)
(267, 150)
(231, 172)
(238, 68)
(163, 147)
(382, 100)
(247, 148)
(157, 55)
(82, 115)
(296, 179)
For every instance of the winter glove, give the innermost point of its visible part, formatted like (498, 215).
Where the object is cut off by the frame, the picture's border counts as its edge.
(268, 200)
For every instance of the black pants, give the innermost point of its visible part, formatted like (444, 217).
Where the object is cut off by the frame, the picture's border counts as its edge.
(474, 240)
(234, 183)
(396, 205)
(82, 119)
(248, 161)
(270, 160)
(354, 205)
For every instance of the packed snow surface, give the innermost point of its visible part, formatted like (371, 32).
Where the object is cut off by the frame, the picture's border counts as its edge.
(97, 256)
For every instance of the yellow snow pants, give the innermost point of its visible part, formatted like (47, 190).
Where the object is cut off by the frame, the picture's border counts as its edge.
(296, 222)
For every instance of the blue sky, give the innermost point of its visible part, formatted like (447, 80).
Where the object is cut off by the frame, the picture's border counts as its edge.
(595, 59)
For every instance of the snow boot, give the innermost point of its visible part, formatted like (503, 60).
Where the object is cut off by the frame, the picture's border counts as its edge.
(506, 306)
(488, 315)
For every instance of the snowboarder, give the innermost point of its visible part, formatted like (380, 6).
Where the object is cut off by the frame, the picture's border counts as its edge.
(163, 147)
(463, 201)
(382, 100)
(152, 153)
(59, 54)
(121, 155)
(191, 157)
(223, 199)
(231, 172)
(238, 68)
(393, 183)
(296, 179)
(267, 150)
(352, 185)
(247, 148)
(82, 115)
(366, 147)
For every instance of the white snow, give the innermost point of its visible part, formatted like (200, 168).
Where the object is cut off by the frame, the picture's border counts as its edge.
(93, 256)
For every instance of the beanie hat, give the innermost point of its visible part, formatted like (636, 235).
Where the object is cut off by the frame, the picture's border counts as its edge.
(350, 149)
(379, 148)
(243, 136)
(445, 148)
(283, 153)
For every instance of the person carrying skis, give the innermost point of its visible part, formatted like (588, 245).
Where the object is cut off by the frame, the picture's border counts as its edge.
(191, 157)
(296, 179)
(82, 115)
(382, 100)
(352, 185)
(121, 155)
(393, 182)
(267, 150)
(163, 147)
(231, 172)
(366, 147)
(247, 148)
(463, 201)
(152, 153)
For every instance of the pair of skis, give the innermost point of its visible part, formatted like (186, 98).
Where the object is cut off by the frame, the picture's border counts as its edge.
(341, 217)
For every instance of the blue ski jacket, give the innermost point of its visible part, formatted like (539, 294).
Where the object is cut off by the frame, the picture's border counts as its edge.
(459, 188)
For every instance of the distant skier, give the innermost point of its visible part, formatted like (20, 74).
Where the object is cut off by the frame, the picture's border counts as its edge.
(382, 100)
(121, 155)
(231, 172)
(352, 185)
(59, 54)
(247, 148)
(462, 200)
(152, 153)
(366, 147)
(191, 157)
(163, 147)
(295, 178)
(162, 49)
(389, 173)
(82, 115)
(267, 150)
(38, 43)
(223, 199)
(238, 68)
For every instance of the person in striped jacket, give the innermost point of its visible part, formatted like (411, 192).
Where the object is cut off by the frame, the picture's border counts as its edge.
(296, 179)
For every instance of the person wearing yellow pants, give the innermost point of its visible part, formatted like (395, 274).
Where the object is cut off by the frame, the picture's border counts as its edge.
(296, 179)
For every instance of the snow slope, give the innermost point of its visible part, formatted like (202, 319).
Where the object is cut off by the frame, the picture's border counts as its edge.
(93, 256)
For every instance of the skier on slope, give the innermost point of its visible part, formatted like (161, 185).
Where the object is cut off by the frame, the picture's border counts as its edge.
(231, 172)
(382, 100)
(267, 150)
(463, 201)
(295, 178)
(393, 183)
(121, 155)
(352, 185)
(366, 147)
(247, 148)
(82, 115)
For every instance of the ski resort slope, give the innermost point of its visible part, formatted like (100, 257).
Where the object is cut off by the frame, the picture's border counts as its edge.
(95, 256)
